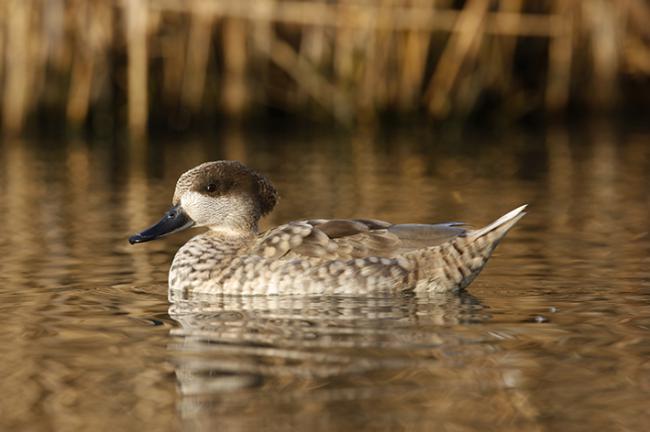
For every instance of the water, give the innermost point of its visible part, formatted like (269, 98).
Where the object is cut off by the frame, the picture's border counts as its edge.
(554, 334)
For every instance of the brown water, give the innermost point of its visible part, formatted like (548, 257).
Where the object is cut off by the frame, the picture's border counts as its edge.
(554, 334)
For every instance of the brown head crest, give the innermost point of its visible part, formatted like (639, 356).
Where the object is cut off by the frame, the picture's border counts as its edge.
(267, 196)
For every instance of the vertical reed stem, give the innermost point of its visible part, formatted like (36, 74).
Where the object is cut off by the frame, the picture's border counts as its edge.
(17, 59)
(460, 43)
(198, 52)
(560, 54)
(136, 22)
(234, 52)
(605, 48)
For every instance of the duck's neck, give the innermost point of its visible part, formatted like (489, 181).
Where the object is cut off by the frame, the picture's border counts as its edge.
(233, 233)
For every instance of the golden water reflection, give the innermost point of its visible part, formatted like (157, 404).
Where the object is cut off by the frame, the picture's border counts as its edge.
(553, 335)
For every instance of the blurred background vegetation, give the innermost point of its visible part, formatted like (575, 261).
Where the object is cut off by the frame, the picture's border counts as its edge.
(146, 65)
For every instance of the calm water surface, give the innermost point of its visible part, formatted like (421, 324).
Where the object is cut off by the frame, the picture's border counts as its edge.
(554, 334)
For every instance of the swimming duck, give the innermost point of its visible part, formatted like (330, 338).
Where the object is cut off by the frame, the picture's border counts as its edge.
(343, 257)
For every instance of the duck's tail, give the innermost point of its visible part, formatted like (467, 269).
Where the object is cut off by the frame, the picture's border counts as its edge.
(460, 260)
(495, 231)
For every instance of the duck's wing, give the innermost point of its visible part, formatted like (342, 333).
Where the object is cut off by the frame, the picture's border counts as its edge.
(351, 238)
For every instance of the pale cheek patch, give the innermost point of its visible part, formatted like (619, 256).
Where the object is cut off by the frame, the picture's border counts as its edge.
(199, 207)
(226, 211)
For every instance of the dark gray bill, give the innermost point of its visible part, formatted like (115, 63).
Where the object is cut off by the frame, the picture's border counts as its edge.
(174, 220)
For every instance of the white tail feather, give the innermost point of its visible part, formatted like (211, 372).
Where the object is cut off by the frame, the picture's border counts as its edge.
(504, 222)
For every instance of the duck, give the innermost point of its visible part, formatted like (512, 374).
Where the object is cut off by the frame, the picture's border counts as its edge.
(313, 257)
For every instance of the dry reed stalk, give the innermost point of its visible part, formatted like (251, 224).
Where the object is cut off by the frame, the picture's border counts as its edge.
(458, 48)
(385, 85)
(84, 62)
(560, 58)
(136, 34)
(54, 23)
(507, 44)
(36, 56)
(344, 49)
(637, 58)
(3, 25)
(471, 81)
(198, 52)
(369, 66)
(172, 52)
(412, 64)
(605, 48)
(314, 47)
(235, 95)
(261, 37)
(80, 86)
(639, 16)
(17, 65)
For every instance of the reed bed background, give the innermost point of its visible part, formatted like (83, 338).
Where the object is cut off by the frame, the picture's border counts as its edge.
(108, 63)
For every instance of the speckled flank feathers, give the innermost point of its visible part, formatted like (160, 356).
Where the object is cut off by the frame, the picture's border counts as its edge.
(316, 257)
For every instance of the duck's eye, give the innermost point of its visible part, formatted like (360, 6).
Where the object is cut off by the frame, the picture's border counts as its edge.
(211, 187)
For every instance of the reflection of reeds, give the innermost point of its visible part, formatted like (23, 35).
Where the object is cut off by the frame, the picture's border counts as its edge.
(346, 59)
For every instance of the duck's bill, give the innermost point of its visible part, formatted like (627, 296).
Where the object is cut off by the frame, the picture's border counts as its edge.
(174, 220)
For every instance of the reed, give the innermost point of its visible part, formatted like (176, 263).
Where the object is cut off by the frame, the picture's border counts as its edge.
(135, 61)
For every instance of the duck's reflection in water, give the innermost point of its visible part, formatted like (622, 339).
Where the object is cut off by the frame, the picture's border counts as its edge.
(243, 362)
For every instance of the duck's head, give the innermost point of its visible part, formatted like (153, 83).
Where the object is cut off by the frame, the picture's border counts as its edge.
(225, 196)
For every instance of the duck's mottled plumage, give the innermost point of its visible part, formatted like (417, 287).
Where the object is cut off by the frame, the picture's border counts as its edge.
(312, 257)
